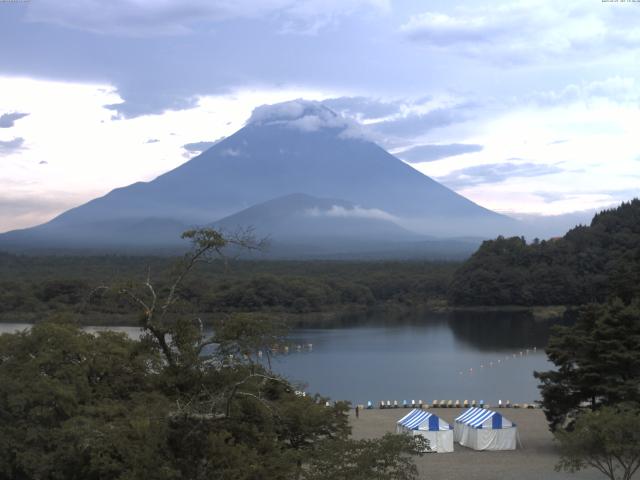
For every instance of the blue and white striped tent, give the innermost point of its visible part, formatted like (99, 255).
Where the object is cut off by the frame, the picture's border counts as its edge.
(430, 426)
(483, 429)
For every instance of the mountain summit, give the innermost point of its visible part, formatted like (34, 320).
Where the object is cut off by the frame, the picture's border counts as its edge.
(292, 147)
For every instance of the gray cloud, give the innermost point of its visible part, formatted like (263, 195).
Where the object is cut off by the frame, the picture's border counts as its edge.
(152, 140)
(551, 196)
(396, 123)
(7, 120)
(197, 147)
(430, 153)
(529, 32)
(135, 18)
(171, 72)
(140, 101)
(189, 54)
(494, 173)
(11, 146)
(416, 124)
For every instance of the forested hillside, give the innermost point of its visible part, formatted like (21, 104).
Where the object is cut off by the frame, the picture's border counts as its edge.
(33, 287)
(589, 264)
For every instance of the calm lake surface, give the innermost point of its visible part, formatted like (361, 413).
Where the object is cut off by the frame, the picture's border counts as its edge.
(470, 355)
(473, 356)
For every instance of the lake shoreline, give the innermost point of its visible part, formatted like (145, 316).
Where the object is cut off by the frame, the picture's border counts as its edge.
(311, 319)
(486, 357)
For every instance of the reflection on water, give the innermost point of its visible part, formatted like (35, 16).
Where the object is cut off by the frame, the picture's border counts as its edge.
(463, 355)
(495, 331)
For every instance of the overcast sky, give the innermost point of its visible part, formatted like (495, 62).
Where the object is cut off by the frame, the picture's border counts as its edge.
(522, 106)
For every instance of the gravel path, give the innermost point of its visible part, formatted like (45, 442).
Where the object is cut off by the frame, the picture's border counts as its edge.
(535, 461)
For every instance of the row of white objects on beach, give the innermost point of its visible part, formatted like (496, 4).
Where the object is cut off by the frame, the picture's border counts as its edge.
(447, 404)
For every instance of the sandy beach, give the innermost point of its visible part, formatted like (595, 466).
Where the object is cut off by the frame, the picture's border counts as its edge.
(534, 461)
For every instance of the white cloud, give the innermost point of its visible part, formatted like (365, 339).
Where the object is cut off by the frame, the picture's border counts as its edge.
(304, 115)
(168, 17)
(531, 31)
(354, 212)
(625, 90)
(231, 152)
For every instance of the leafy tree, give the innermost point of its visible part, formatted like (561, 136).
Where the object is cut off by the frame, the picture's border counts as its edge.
(179, 403)
(597, 360)
(384, 459)
(246, 337)
(77, 406)
(607, 440)
(589, 264)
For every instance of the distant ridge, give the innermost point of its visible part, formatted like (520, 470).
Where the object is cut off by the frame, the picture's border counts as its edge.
(299, 216)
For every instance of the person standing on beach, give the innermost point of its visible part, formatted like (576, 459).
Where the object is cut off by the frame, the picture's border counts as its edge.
(357, 411)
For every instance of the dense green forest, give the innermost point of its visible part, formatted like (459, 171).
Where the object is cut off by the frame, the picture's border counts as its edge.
(589, 264)
(77, 405)
(32, 287)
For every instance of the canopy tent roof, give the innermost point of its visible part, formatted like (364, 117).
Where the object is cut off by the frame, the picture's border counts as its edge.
(423, 420)
(483, 418)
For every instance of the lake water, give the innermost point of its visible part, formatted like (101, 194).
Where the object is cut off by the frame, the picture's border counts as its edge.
(473, 356)
(430, 357)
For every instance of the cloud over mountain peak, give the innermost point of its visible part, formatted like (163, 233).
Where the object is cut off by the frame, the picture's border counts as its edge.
(304, 115)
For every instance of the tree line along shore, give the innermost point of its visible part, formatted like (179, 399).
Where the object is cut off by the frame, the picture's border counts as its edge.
(589, 264)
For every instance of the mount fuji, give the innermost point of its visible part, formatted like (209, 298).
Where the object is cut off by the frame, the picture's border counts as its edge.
(297, 170)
